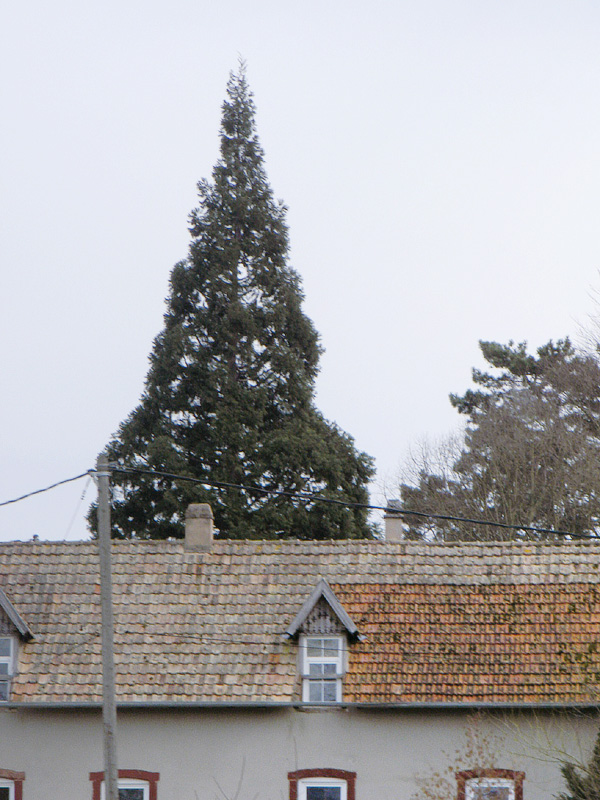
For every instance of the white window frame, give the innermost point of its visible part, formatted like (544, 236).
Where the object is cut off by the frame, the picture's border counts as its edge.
(321, 783)
(5, 678)
(306, 661)
(129, 783)
(10, 785)
(473, 783)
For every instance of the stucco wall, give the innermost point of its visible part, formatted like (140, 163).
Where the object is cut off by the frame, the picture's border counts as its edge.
(205, 755)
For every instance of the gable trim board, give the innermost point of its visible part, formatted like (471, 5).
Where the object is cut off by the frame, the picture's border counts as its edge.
(323, 590)
(14, 616)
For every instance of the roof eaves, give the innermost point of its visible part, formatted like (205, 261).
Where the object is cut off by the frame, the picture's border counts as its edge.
(322, 589)
(14, 616)
(471, 706)
(266, 705)
(157, 705)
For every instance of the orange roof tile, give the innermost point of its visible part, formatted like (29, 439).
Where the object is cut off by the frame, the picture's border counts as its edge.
(482, 643)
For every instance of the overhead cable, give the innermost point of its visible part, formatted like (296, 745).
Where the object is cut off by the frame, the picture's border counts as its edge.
(45, 489)
(307, 497)
(393, 510)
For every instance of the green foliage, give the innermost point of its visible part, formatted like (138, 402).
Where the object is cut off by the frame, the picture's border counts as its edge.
(583, 783)
(229, 392)
(529, 452)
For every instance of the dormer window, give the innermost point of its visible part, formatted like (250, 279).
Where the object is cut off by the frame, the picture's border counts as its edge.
(324, 630)
(7, 660)
(12, 629)
(322, 668)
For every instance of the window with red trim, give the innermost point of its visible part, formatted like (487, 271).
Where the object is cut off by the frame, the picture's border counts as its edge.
(11, 784)
(490, 784)
(322, 784)
(134, 784)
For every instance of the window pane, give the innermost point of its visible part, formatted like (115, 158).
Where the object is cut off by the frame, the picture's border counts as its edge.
(330, 648)
(314, 648)
(315, 691)
(3, 668)
(323, 793)
(322, 670)
(5, 643)
(491, 793)
(4, 793)
(131, 794)
(3, 692)
(329, 691)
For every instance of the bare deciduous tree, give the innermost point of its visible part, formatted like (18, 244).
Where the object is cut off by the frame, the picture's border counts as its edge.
(480, 750)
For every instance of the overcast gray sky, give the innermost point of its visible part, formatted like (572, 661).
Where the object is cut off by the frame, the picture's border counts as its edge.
(440, 160)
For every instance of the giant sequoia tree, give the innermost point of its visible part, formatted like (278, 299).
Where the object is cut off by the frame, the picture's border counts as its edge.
(229, 392)
(530, 451)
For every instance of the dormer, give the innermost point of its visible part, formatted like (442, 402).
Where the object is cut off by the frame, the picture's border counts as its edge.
(323, 629)
(13, 629)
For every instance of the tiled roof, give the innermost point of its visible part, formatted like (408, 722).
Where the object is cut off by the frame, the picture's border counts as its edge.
(500, 643)
(440, 623)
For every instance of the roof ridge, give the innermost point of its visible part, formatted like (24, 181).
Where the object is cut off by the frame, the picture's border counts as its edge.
(369, 545)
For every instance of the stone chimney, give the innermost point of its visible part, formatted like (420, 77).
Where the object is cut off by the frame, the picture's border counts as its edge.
(198, 528)
(394, 531)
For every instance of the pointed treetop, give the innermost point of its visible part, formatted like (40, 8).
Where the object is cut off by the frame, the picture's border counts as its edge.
(229, 395)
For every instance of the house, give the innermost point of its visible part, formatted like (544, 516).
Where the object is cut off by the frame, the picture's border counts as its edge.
(278, 670)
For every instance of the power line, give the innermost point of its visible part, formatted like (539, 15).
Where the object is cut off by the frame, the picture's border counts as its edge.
(378, 645)
(392, 510)
(77, 507)
(45, 489)
(402, 512)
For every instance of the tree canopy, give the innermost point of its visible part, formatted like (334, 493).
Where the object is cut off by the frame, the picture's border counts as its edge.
(229, 395)
(529, 452)
(583, 782)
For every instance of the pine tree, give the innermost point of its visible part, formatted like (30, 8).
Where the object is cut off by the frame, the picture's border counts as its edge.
(582, 783)
(529, 451)
(229, 392)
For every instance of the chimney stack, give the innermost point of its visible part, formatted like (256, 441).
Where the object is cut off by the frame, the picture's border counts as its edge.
(198, 528)
(394, 532)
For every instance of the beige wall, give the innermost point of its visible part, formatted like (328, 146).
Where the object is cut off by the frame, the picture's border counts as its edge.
(198, 752)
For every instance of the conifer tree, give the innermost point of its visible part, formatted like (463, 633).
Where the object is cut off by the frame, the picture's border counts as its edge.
(528, 455)
(229, 392)
(583, 783)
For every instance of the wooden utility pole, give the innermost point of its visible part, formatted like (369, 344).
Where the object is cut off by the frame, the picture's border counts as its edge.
(109, 706)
